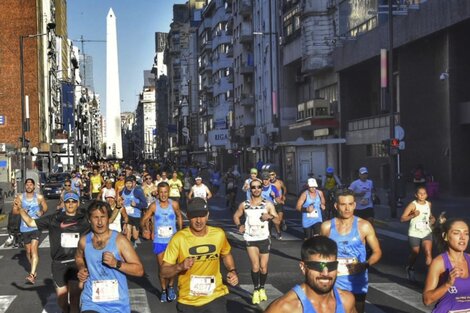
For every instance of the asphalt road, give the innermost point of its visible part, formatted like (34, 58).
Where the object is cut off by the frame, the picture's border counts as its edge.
(389, 289)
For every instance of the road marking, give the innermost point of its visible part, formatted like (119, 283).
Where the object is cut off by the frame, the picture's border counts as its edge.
(401, 293)
(272, 292)
(391, 234)
(45, 243)
(1, 257)
(138, 299)
(5, 302)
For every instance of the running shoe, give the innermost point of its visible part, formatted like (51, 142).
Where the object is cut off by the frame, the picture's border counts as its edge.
(163, 296)
(31, 278)
(279, 236)
(171, 294)
(255, 299)
(283, 226)
(262, 294)
(410, 272)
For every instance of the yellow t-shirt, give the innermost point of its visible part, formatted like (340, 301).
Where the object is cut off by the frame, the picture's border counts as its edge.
(95, 183)
(119, 185)
(202, 283)
(175, 187)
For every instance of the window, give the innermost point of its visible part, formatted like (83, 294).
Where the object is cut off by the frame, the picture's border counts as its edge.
(300, 111)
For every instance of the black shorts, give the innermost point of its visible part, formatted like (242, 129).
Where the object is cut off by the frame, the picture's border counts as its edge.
(313, 230)
(263, 245)
(365, 213)
(215, 306)
(279, 208)
(63, 272)
(134, 221)
(30, 236)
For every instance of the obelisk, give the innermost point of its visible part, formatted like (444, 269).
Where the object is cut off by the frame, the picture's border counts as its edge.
(113, 97)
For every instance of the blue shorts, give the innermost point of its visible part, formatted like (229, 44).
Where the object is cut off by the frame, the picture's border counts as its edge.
(159, 247)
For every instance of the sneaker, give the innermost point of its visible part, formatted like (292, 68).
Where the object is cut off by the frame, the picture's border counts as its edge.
(283, 226)
(279, 236)
(31, 278)
(163, 297)
(10, 240)
(410, 272)
(255, 299)
(171, 294)
(262, 295)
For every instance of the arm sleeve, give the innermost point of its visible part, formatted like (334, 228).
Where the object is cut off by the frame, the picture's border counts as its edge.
(139, 194)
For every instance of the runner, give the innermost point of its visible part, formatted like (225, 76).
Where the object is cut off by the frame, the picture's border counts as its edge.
(199, 190)
(166, 215)
(96, 182)
(364, 190)
(133, 200)
(246, 185)
(448, 280)
(65, 229)
(317, 293)
(119, 219)
(272, 194)
(311, 203)
(149, 188)
(35, 206)
(104, 258)
(351, 234)
(76, 183)
(119, 184)
(67, 187)
(419, 214)
(258, 212)
(107, 189)
(176, 187)
(281, 187)
(194, 254)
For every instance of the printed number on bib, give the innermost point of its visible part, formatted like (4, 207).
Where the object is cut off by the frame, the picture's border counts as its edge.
(164, 231)
(129, 209)
(69, 240)
(201, 285)
(105, 290)
(343, 265)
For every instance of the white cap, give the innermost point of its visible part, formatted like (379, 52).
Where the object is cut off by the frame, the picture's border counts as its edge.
(312, 182)
(198, 178)
(363, 170)
(110, 193)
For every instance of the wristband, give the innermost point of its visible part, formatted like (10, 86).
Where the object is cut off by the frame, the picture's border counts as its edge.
(118, 264)
(233, 270)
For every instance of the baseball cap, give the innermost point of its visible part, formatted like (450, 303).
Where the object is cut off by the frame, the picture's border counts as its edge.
(265, 175)
(254, 171)
(110, 193)
(130, 178)
(197, 207)
(312, 182)
(71, 196)
(330, 170)
(363, 170)
(198, 178)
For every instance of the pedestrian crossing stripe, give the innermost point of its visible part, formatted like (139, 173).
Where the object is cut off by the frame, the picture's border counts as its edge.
(402, 294)
(5, 302)
(137, 298)
(45, 243)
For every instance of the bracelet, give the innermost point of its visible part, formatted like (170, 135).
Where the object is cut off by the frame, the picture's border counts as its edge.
(233, 270)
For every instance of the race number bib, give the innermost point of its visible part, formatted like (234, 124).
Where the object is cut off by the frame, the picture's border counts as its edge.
(343, 265)
(255, 230)
(105, 290)
(69, 240)
(129, 209)
(164, 231)
(421, 225)
(313, 214)
(201, 285)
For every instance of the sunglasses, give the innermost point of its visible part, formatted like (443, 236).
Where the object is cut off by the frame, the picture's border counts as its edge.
(256, 187)
(320, 266)
(67, 185)
(272, 174)
(71, 201)
(149, 178)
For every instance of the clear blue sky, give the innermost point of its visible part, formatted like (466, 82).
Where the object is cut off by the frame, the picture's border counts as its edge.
(137, 22)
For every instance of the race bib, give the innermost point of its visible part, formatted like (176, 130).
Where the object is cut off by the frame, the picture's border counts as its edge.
(69, 240)
(201, 285)
(256, 230)
(343, 265)
(164, 231)
(421, 225)
(129, 209)
(105, 290)
(313, 214)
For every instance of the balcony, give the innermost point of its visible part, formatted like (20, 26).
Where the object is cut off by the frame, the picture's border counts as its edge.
(246, 37)
(207, 46)
(230, 52)
(245, 8)
(372, 129)
(247, 99)
(246, 69)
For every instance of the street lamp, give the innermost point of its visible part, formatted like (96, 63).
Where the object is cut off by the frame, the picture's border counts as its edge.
(24, 102)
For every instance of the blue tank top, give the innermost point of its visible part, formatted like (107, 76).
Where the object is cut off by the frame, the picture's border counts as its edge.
(32, 208)
(165, 223)
(106, 288)
(351, 249)
(309, 219)
(457, 296)
(307, 305)
(130, 210)
(266, 193)
(75, 185)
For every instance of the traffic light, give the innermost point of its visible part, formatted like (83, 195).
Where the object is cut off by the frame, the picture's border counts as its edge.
(391, 146)
(394, 143)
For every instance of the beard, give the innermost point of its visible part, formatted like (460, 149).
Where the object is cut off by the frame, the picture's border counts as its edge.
(320, 288)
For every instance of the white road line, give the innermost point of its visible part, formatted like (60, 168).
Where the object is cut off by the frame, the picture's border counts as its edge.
(5, 302)
(138, 299)
(45, 243)
(272, 292)
(401, 293)
(391, 234)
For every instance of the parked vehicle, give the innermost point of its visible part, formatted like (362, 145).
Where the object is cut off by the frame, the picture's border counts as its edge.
(54, 184)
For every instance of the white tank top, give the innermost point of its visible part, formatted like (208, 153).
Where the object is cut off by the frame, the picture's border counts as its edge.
(255, 229)
(419, 225)
(116, 224)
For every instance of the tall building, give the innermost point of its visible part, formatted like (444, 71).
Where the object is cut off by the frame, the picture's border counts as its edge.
(86, 70)
(113, 97)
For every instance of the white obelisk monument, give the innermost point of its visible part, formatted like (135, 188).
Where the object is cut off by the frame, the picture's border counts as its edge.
(113, 97)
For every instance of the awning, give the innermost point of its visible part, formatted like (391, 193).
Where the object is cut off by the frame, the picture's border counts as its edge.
(315, 142)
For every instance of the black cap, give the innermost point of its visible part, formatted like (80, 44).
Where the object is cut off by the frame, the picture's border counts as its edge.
(197, 207)
(265, 175)
(130, 178)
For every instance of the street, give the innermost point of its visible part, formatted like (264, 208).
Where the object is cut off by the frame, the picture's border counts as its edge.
(389, 290)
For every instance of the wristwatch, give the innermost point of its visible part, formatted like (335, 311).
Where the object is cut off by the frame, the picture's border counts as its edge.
(118, 264)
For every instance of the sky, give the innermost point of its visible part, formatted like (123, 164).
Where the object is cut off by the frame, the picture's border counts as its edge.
(137, 21)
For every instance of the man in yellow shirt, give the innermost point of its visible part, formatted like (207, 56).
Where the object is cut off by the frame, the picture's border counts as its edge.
(194, 254)
(96, 182)
(176, 187)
